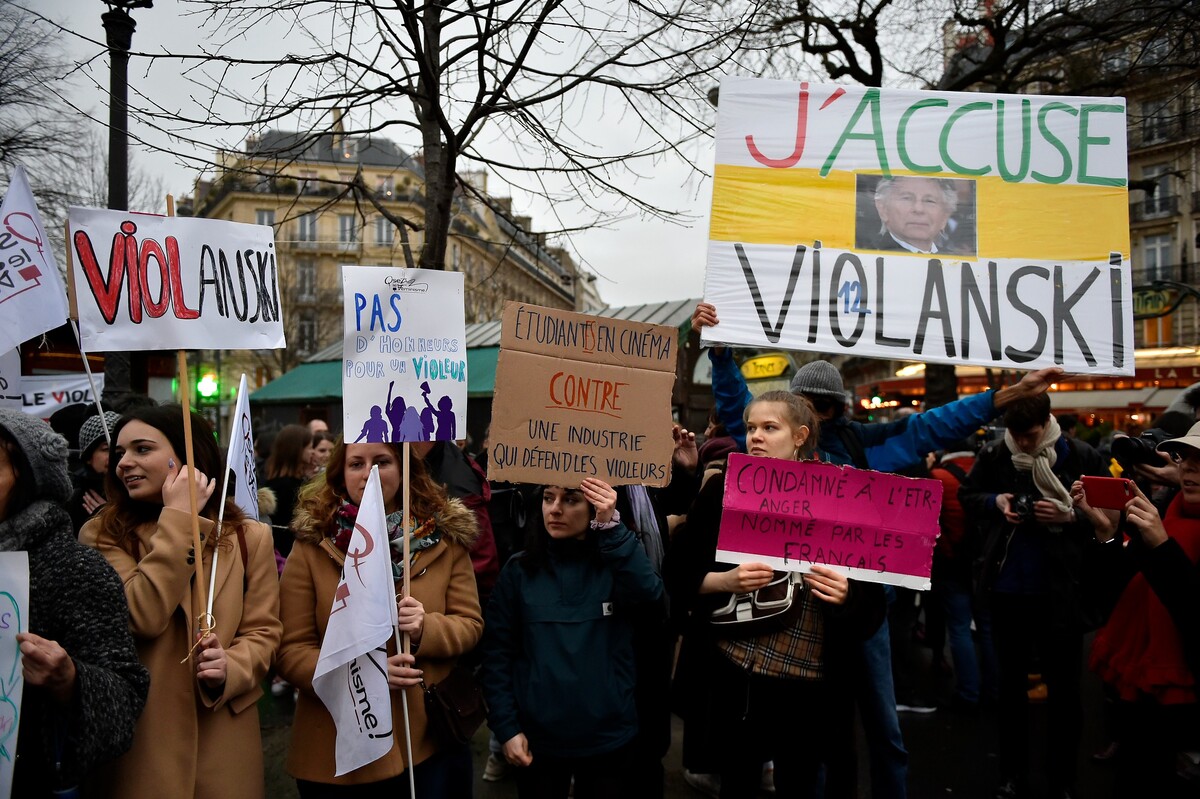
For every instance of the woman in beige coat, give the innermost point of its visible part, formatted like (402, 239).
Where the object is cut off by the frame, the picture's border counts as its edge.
(441, 616)
(199, 734)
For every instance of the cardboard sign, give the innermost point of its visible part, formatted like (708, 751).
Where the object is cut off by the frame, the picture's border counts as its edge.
(791, 514)
(961, 228)
(14, 619)
(145, 282)
(404, 364)
(42, 395)
(10, 380)
(581, 396)
(32, 297)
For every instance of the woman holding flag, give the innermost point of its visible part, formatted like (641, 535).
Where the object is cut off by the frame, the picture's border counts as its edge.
(441, 618)
(199, 734)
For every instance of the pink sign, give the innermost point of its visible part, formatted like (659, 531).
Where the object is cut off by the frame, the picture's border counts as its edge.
(791, 514)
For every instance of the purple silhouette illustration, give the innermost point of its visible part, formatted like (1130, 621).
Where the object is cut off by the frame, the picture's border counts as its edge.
(426, 413)
(395, 412)
(411, 428)
(445, 420)
(375, 429)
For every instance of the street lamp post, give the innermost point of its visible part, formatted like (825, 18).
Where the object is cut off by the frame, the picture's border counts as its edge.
(118, 30)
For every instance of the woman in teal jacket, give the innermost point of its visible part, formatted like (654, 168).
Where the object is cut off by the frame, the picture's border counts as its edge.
(558, 664)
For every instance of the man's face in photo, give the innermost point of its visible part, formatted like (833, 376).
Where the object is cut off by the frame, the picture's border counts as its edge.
(914, 211)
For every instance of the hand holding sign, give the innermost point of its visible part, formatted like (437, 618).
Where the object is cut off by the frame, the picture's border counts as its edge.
(602, 497)
(827, 584)
(211, 663)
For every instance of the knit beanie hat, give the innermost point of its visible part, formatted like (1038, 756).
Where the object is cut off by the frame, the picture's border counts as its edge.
(92, 432)
(45, 450)
(819, 379)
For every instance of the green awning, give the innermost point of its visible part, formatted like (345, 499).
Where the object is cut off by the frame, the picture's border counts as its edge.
(322, 381)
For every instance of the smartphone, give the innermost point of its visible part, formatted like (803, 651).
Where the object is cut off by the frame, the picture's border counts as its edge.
(1108, 492)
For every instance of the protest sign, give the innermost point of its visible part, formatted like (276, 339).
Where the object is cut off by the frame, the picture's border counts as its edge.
(42, 395)
(32, 297)
(14, 619)
(791, 514)
(404, 364)
(10, 380)
(962, 228)
(581, 396)
(145, 282)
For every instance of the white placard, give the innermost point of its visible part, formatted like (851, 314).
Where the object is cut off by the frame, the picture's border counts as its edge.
(14, 619)
(42, 395)
(404, 364)
(147, 282)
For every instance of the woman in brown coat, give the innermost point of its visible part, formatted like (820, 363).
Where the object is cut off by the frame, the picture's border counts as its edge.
(199, 734)
(441, 616)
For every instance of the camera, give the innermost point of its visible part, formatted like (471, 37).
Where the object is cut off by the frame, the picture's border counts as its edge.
(1022, 505)
(1132, 450)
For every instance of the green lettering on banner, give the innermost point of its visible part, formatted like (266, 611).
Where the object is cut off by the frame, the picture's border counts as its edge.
(902, 133)
(1026, 123)
(1085, 141)
(944, 141)
(1054, 142)
(870, 99)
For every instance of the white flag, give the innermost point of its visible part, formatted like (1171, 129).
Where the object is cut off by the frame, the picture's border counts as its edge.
(10, 380)
(32, 297)
(241, 454)
(351, 674)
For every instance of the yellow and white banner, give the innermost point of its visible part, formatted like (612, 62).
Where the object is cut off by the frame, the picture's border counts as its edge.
(946, 227)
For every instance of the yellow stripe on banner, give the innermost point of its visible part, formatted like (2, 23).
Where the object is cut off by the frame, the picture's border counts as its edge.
(753, 205)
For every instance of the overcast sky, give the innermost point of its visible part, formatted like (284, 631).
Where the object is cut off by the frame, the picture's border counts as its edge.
(636, 260)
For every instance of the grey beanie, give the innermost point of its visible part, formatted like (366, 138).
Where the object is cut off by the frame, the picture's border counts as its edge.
(92, 431)
(819, 379)
(45, 450)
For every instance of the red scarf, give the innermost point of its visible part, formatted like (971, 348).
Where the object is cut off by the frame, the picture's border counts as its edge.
(1139, 651)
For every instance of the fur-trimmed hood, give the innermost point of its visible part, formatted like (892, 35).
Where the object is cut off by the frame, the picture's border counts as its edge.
(456, 521)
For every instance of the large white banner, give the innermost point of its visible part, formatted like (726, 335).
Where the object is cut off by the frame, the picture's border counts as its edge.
(32, 297)
(947, 227)
(10, 380)
(146, 282)
(404, 364)
(42, 395)
(351, 673)
(14, 619)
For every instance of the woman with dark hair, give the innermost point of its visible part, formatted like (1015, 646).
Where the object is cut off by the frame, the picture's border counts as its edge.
(323, 444)
(441, 617)
(289, 465)
(558, 658)
(84, 686)
(199, 735)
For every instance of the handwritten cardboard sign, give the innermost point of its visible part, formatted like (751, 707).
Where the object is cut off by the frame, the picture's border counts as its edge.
(145, 282)
(14, 619)
(10, 380)
(404, 355)
(42, 395)
(791, 514)
(581, 396)
(946, 227)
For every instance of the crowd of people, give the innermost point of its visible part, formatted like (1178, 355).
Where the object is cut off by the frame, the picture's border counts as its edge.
(589, 613)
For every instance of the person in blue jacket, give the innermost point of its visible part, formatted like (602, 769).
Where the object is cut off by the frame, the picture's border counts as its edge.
(885, 447)
(558, 660)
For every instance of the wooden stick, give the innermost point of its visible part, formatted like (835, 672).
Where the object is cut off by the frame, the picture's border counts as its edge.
(407, 645)
(190, 459)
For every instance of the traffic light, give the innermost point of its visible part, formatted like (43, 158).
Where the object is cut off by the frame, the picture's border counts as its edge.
(207, 387)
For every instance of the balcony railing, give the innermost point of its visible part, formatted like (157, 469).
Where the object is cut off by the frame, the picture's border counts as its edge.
(1178, 273)
(1154, 207)
(1152, 132)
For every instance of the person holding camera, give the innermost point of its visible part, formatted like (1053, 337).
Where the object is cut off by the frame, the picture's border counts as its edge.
(1149, 651)
(1030, 570)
